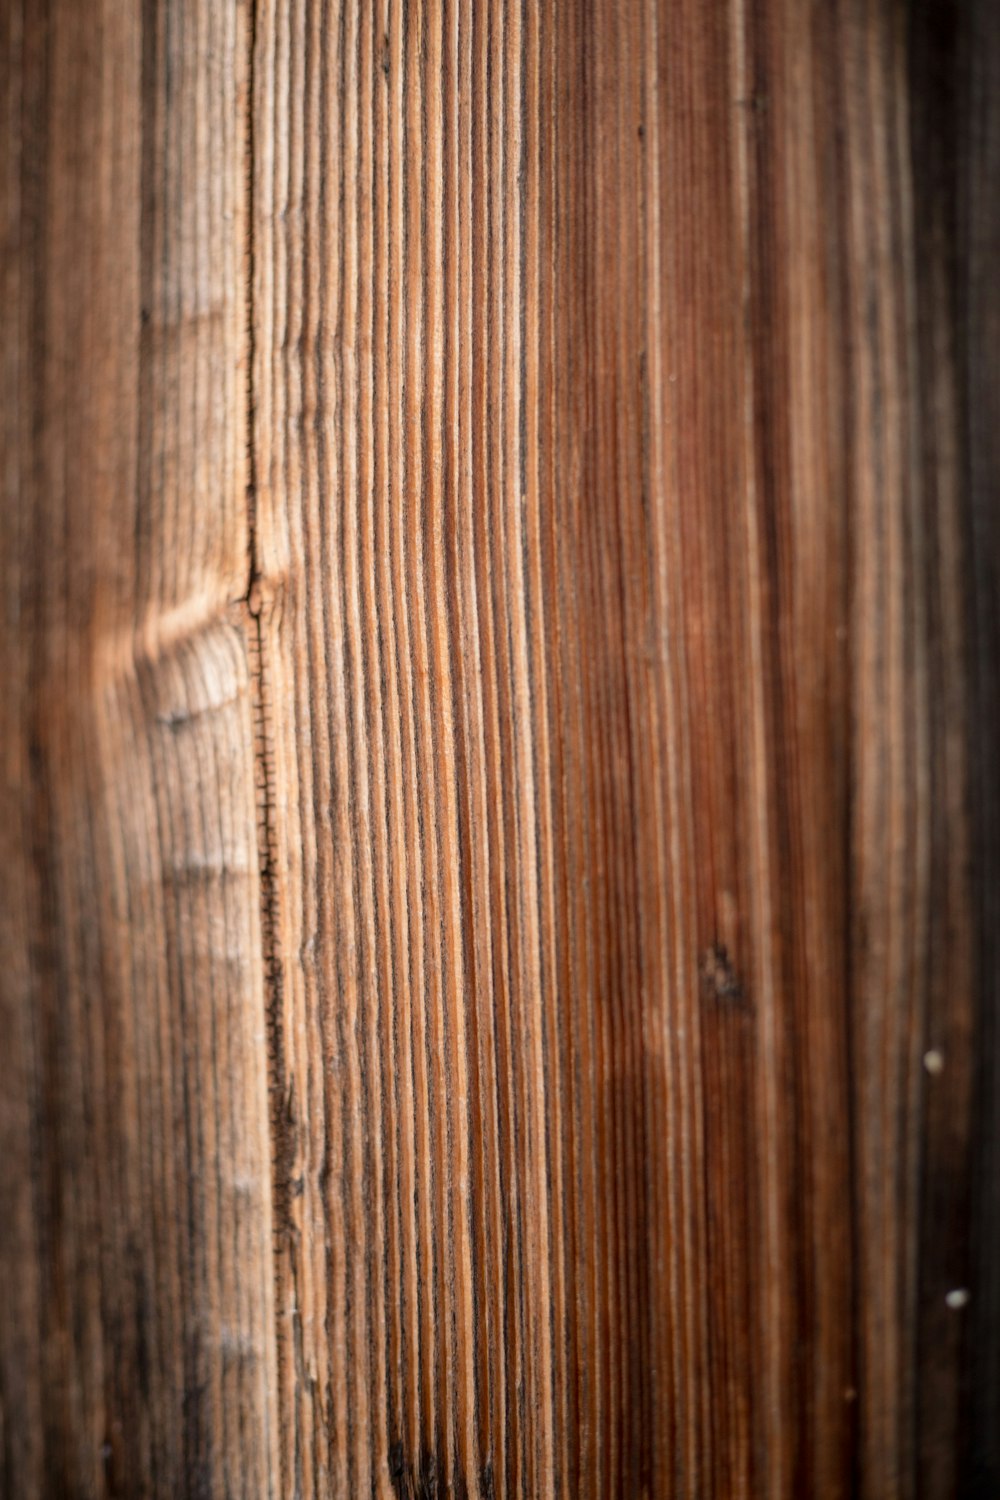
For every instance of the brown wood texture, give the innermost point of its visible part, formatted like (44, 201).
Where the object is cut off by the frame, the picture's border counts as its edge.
(500, 734)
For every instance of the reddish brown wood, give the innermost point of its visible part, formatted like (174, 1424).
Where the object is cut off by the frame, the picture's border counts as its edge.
(499, 730)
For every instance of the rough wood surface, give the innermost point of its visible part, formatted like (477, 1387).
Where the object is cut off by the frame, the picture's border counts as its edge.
(135, 1192)
(499, 721)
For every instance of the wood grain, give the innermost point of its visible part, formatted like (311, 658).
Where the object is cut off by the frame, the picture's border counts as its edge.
(138, 1346)
(500, 728)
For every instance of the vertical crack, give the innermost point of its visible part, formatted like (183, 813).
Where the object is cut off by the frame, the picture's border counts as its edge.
(258, 603)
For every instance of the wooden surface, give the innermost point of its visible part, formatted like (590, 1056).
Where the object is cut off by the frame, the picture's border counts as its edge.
(499, 724)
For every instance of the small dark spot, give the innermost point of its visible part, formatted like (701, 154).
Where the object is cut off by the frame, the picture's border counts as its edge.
(719, 979)
(174, 719)
(642, 132)
(755, 105)
(145, 315)
(385, 54)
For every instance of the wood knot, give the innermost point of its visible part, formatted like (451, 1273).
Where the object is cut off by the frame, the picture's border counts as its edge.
(719, 979)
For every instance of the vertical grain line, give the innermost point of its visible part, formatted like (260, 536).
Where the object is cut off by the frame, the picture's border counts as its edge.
(253, 563)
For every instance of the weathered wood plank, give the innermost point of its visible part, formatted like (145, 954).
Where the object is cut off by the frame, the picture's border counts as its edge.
(608, 583)
(499, 732)
(138, 1329)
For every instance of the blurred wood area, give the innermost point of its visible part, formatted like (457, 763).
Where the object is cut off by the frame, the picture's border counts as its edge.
(500, 734)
